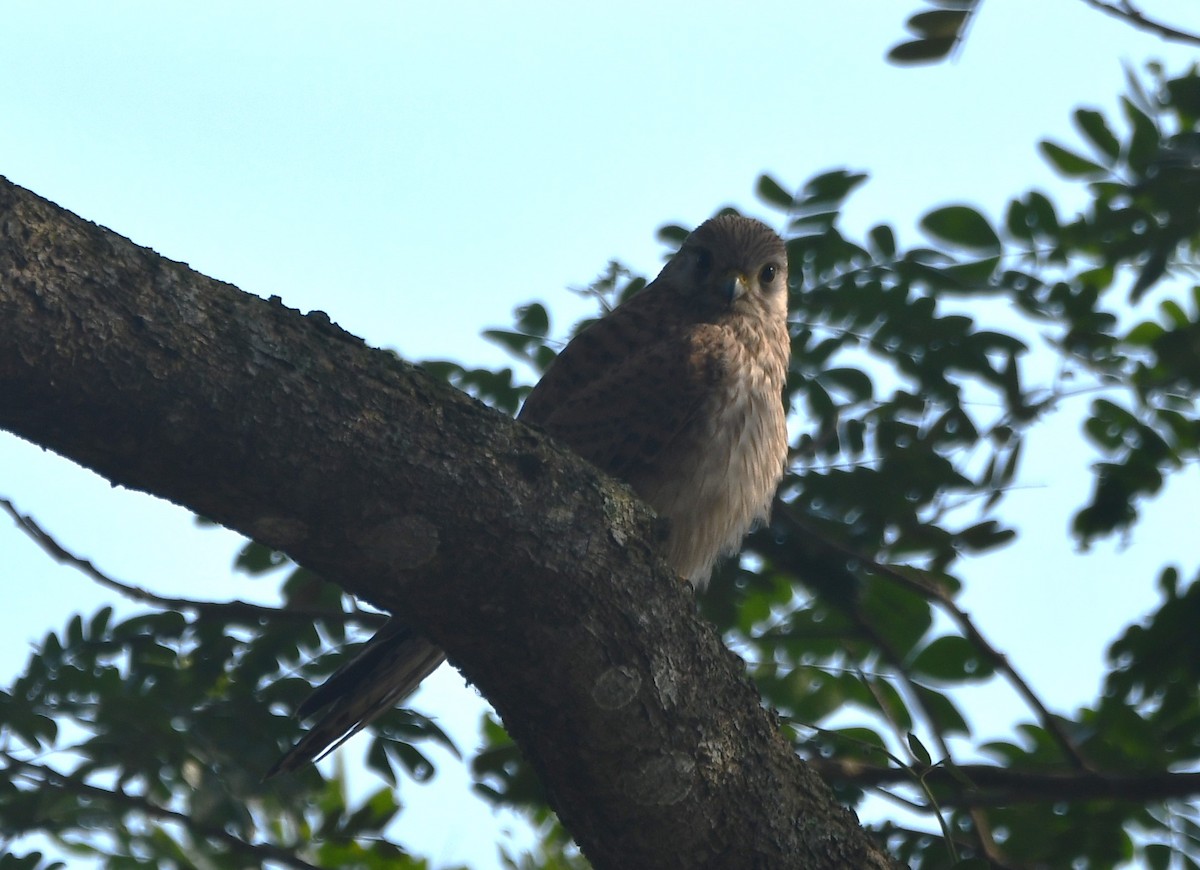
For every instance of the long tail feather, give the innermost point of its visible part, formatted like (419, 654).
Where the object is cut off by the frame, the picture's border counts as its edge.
(390, 667)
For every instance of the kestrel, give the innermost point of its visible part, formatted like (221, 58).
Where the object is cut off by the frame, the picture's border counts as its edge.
(677, 392)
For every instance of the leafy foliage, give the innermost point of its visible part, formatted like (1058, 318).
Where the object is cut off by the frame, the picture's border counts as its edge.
(912, 395)
(937, 31)
(940, 27)
(162, 725)
(911, 410)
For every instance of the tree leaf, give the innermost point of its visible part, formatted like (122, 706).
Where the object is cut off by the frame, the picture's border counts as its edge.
(1069, 163)
(832, 187)
(773, 193)
(922, 50)
(951, 658)
(920, 753)
(883, 241)
(938, 23)
(1143, 145)
(1095, 128)
(963, 226)
(853, 383)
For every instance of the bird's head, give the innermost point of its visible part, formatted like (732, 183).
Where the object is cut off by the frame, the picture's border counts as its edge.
(734, 264)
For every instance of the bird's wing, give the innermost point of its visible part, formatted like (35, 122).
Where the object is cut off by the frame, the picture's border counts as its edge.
(624, 389)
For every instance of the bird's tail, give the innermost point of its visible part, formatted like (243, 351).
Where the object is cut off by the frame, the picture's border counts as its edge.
(389, 668)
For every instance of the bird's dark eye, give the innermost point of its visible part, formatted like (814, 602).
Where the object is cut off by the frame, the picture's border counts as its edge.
(704, 261)
(768, 273)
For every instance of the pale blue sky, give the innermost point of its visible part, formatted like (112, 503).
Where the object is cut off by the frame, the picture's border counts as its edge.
(418, 170)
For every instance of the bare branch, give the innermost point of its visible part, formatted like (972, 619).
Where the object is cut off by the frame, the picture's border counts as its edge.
(994, 786)
(1129, 13)
(242, 610)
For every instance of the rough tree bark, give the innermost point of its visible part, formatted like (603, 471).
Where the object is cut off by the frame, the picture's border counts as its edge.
(533, 571)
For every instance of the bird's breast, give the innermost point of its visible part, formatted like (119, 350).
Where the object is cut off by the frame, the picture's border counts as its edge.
(726, 474)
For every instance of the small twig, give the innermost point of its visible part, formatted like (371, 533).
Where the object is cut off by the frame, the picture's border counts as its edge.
(892, 827)
(981, 830)
(224, 609)
(1127, 12)
(992, 785)
(259, 852)
(939, 596)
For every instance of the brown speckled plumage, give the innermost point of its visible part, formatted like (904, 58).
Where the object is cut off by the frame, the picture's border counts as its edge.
(678, 392)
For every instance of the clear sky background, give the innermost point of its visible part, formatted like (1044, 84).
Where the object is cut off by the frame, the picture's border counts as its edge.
(418, 170)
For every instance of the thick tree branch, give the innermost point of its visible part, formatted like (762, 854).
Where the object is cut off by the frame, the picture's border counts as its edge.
(533, 572)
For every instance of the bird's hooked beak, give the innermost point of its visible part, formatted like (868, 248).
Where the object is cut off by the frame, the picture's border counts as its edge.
(734, 287)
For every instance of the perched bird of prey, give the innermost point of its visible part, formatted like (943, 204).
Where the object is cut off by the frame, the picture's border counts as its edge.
(677, 392)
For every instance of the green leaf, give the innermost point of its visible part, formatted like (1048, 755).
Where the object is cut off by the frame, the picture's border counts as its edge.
(1044, 218)
(1069, 163)
(812, 223)
(532, 319)
(256, 558)
(885, 698)
(1099, 278)
(1017, 221)
(898, 614)
(863, 742)
(1174, 313)
(984, 536)
(852, 383)
(922, 50)
(952, 658)
(975, 276)
(821, 406)
(963, 226)
(28, 861)
(513, 342)
(772, 192)
(374, 814)
(100, 622)
(832, 187)
(920, 753)
(378, 761)
(1184, 94)
(1145, 334)
(1095, 128)
(1158, 856)
(75, 631)
(942, 712)
(940, 23)
(1142, 147)
(883, 241)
